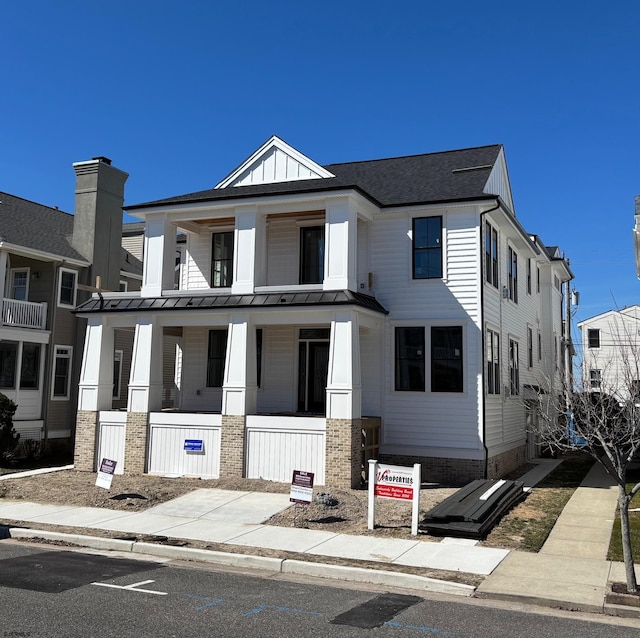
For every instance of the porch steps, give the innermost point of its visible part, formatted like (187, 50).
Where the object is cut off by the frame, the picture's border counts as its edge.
(474, 509)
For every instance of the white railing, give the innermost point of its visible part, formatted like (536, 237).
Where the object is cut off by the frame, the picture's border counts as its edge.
(24, 314)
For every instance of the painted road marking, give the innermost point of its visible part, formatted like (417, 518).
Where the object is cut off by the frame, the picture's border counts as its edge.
(134, 587)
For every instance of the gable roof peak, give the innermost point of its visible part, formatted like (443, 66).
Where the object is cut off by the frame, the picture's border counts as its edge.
(275, 161)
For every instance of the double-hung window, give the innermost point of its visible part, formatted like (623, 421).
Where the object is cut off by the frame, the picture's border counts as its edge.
(491, 254)
(493, 362)
(446, 359)
(8, 358)
(528, 276)
(30, 368)
(61, 372)
(595, 378)
(514, 368)
(19, 284)
(530, 347)
(222, 260)
(67, 281)
(216, 354)
(427, 248)
(409, 373)
(512, 275)
(117, 373)
(593, 337)
(311, 254)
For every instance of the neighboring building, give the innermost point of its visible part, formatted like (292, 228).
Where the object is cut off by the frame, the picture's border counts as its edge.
(397, 297)
(45, 254)
(611, 352)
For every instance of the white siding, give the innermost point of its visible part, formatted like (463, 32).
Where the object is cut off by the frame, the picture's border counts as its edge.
(371, 371)
(198, 261)
(282, 252)
(194, 394)
(278, 391)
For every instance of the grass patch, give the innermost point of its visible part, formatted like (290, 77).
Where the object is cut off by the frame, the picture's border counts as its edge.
(527, 526)
(615, 544)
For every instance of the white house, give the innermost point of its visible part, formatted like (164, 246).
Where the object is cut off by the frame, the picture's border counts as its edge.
(400, 298)
(611, 351)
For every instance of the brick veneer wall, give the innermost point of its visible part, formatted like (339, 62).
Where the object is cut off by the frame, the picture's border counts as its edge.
(84, 453)
(504, 463)
(232, 446)
(135, 442)
(343, 453)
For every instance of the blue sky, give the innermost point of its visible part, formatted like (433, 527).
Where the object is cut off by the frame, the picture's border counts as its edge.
(179, 93)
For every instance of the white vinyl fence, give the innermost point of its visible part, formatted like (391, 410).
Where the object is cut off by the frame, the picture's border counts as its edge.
(277, 445)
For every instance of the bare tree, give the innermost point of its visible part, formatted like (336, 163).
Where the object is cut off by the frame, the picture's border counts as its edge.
(600, 415)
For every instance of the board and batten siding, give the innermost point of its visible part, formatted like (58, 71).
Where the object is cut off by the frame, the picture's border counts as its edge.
(443, 424)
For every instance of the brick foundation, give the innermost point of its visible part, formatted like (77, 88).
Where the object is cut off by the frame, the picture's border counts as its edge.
(232, 446)
(135, 442)
(343, 453)
(84, 453)
(506, 462)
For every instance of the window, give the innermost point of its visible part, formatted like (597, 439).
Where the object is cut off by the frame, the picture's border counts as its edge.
(528, 276)
(216, 354)
(222, 260)
(512, 275)
(539, 346)
(491, 254)
(514, 368)
(410, 359)
(530, 347)
(30, 368)
(593, 337)
(61, 372)
(259, 356)
(595, 378)
(493, 362)
(8, 357)
(427, 248)
(19, 284)
(538, 279)
(446, 359)
(117, 373)
(311, 254)
(67, 288)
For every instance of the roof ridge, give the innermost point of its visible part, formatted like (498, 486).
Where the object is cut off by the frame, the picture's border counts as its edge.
(384, 159)
(31, 201)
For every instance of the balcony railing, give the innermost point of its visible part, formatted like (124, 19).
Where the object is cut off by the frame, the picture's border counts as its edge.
(24, 314)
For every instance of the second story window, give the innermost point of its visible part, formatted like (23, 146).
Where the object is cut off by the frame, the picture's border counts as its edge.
(593, 336)
(19, 284)
(493, 362)
(67, 288)
(512, 275)
(491, 255)
(222, 260)
(528, 276)
(311, 254)
(514, 368)
(427, 248)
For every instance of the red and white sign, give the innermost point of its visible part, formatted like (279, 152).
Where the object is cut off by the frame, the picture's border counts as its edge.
(301, 487)
(393, 481)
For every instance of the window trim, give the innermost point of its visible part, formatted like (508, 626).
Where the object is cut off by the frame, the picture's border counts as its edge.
(302, 229)
(38, 367)
(420, 359)
(56, 355)
(12, 273)
(15, 345)
(61, 271)
(209, 381)
(416, 250)
(529, 276)
(220, 261)
(530, 346)
(491, 256)
(512, 274)
(595, 378)
(494, 380)
(514, 367)
(593, 338)
(460, 384)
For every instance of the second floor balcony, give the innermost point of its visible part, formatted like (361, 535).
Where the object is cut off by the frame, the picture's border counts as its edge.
(24, 314)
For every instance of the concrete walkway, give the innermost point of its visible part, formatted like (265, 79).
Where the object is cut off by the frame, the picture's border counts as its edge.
(571, 570)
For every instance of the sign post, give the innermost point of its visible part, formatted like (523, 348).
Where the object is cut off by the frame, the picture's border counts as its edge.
(394, 481)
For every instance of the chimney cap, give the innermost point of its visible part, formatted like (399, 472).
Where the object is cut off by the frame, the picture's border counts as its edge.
(102, 158)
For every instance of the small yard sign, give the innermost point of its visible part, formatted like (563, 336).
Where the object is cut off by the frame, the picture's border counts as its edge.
(301, 487)
(394, 481)
(193, 445)
(105, 473)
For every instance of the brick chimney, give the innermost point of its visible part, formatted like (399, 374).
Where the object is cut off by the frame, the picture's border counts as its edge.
(97, 227)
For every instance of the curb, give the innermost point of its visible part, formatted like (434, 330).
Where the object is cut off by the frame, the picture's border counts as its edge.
(248, 561)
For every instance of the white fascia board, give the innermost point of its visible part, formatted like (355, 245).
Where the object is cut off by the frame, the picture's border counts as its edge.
(436, 206)
(275, 142)
(24, 334)
(41, 255)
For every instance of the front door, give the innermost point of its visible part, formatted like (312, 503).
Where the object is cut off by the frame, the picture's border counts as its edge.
(313, 366)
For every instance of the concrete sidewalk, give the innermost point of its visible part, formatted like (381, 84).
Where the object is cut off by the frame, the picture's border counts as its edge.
(571, 570)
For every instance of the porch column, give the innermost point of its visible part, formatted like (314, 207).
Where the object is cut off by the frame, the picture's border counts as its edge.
(344, 410)
(247, 254)
(3, 277)
(341, 221)
(159, 256)
(145, 391)
(94, 390)
(238, 393)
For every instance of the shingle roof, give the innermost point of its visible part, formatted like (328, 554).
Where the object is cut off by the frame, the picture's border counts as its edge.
(41, 228)
(416, 179)
(225, 302)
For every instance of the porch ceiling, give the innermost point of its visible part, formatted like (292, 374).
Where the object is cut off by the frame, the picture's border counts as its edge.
(208, 302)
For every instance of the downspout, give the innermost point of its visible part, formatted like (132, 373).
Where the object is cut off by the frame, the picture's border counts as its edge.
(482, 340)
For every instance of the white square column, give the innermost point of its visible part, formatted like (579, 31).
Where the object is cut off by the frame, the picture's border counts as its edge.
(3, 278)
(344, 385)
(340, 245)
(159, 256)
(240, 376)
(247, 253)
(145, 379)
(95, 389)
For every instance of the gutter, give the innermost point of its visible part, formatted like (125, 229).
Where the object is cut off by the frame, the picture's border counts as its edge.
(482, 338)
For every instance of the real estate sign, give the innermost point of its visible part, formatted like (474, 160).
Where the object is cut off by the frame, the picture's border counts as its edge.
(301, 487)
(105, 473)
